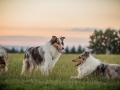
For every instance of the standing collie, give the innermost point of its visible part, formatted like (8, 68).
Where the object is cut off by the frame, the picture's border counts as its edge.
(87, 64)
(3, 60)
(44, 56)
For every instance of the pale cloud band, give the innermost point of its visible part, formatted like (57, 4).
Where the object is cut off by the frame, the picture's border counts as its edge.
(37, 41)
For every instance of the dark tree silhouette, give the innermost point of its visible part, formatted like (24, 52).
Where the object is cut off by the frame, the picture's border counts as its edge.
(73, 51)
(67, 51)
(105, 42)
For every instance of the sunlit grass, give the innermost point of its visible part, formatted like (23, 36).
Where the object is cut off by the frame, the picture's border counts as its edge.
(59, 79)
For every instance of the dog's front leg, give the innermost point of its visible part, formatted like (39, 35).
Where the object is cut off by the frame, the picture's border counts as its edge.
(50, 70)
(79, 76)
(46, 66)
(45, 69)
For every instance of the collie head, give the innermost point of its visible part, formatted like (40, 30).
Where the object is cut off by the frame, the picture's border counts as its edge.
(81, 58)
(58, 43)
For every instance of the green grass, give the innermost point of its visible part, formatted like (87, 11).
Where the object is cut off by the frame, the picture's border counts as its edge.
(59, 79)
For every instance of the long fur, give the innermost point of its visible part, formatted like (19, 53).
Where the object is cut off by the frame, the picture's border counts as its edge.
(87, 67)
(3, 60)
(87, 64)
(44, 57)
(110, 70)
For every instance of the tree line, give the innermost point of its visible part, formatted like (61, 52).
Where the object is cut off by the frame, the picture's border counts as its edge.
(101, 42)
(67, 50)
(74, 50)
(14, 50)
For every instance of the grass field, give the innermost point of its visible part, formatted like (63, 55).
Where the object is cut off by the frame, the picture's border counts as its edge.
(59, 79)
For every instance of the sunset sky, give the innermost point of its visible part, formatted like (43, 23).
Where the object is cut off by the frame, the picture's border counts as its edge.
(33, 22)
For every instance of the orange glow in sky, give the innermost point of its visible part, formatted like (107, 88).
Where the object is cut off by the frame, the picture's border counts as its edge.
(44, 18)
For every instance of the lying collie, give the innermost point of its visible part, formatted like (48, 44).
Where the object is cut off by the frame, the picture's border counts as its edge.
(3, 60)
(44, 56)
(87, 64)
(108, 70)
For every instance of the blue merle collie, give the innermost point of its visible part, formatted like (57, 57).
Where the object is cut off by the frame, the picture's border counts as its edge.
(88, 64)
(44, 56)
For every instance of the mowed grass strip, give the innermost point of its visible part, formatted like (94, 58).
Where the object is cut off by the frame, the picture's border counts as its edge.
(59, 79)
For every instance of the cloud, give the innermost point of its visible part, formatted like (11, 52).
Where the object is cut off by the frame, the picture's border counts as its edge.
(84, 29)
(76, 41)
(22, 40)
(38, 41)
(28, 38)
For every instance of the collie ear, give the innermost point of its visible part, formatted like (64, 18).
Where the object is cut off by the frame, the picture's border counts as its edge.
(53, 39)
(87, 53)
(62, 38)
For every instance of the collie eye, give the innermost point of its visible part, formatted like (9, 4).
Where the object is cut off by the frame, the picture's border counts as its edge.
(58, 43)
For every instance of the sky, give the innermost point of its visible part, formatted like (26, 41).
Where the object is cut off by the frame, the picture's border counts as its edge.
(33, 22)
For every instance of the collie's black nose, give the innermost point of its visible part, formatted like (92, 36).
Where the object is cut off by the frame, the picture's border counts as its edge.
(62, 48)
(73, 60)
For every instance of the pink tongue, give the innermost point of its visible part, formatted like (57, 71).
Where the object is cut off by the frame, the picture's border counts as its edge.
(60, 51)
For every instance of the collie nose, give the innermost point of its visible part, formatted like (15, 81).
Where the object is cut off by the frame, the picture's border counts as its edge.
(73, 60)
(62, 48)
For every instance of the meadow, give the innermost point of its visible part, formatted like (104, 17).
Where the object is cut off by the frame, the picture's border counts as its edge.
(59, 79)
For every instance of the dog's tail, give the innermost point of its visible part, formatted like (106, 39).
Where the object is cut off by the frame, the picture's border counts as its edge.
(26, 64)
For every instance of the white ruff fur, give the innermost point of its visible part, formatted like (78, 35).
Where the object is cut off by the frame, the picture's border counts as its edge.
(51, 56)
(87, 67)
(44, 57)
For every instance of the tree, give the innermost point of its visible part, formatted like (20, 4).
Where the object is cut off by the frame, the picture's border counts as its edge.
(13, 50)
(21, 50)
(79, 50)
(73, 51)
(104, 42)
(67, 50)
(96, 42)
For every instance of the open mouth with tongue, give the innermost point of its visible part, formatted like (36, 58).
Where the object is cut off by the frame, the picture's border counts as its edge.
(59, 50)
(78, 64)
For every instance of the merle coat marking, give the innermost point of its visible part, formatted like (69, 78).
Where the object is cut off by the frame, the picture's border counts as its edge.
(110, 70)
(44, 56)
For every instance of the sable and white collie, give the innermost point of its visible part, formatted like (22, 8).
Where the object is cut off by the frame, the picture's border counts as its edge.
(3, 60)
(87, 64)
(44, 56)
